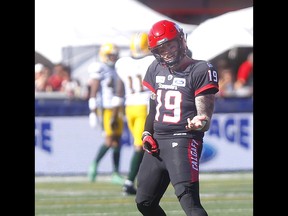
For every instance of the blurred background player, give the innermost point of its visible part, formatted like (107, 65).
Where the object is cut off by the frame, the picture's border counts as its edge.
(103, 79)
(131, 70)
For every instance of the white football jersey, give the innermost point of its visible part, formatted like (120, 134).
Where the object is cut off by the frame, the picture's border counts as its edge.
(107, 76)
(132, 71)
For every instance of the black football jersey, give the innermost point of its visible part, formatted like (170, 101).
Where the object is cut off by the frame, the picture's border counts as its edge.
(176, 92)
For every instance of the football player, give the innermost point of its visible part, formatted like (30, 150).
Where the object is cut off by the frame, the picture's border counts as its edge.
(181, 107)
(131, 70)
(103, 78)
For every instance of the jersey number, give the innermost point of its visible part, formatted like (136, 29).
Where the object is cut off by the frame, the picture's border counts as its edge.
(138, 76)
(213, 75)
(172, 102)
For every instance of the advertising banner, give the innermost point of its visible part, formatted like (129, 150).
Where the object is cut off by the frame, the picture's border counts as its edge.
(68, 145)
(228, 145)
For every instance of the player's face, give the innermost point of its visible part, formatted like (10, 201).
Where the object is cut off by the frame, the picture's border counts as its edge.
(168, 51)
(112, 57)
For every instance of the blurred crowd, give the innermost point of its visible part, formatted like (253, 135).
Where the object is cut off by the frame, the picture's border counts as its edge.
(232, 82)
(58, 79)
(237, 83)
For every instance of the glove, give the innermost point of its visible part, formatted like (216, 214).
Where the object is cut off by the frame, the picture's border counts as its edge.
(149, 144)
(93, 120)
(92, 103)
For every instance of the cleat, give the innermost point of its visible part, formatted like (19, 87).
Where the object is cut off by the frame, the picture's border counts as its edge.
(129, 190)
(92, 172)
(117, 179)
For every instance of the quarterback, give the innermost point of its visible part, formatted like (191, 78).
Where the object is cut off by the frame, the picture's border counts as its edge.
(182, 101)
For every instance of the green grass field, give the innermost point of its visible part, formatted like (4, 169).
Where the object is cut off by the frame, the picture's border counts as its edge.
(222, 194)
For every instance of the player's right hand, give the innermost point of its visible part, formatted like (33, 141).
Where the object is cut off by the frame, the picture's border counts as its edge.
(149, 144)
(93, 120)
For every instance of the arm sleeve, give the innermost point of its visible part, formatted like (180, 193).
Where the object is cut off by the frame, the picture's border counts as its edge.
(150, 117)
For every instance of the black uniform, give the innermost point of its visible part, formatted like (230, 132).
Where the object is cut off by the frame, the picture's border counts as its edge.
(180, 150)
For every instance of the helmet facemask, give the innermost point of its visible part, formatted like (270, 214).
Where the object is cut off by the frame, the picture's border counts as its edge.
(169, 53)
(111, 59)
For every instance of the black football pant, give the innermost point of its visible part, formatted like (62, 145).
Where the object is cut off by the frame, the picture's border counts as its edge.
(178, 163)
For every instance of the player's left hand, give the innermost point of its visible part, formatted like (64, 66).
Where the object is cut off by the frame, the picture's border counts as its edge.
(197, 123)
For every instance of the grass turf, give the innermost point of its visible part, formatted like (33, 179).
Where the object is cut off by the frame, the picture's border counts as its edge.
(222, 194)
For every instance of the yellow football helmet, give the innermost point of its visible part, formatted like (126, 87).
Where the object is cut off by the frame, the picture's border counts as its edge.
(109, 53)
(139, 45)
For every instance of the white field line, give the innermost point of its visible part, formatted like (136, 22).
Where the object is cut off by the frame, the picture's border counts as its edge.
(107, 178)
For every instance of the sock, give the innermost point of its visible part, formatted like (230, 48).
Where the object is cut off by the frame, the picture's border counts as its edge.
(102, 151)
(116, 158)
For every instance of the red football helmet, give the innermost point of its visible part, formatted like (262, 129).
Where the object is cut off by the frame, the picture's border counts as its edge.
(160, 43)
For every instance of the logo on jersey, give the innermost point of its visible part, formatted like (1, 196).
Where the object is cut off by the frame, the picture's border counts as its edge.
(170, 77)
(174, 144)
(179, 82)
(160, 79)
(161, 86)
(209, 64)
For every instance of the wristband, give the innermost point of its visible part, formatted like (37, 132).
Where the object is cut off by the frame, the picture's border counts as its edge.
(145, 133)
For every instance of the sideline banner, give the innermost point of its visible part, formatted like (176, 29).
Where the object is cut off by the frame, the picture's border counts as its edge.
(228, 145)
(67, 145)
